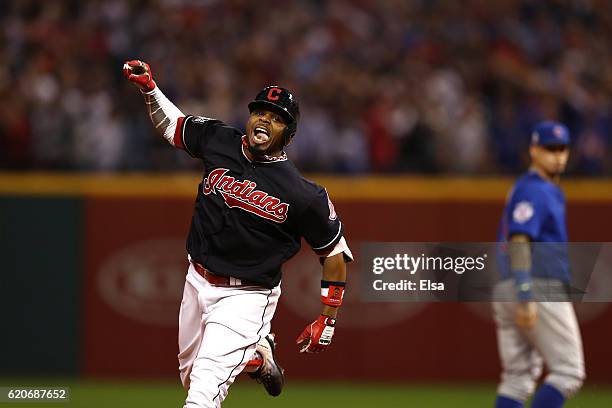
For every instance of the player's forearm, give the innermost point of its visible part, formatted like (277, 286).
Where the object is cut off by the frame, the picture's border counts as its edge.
(520, 264)
(163, 113)
(334, 270)
(520, 252)
(330, 311)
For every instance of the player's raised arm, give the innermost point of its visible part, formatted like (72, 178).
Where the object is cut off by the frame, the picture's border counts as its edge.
(163, 113)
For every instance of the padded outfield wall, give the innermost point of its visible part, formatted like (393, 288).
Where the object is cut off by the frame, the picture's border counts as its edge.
(93, 269)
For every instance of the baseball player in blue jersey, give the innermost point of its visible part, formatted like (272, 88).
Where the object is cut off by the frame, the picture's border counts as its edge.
(531, 333)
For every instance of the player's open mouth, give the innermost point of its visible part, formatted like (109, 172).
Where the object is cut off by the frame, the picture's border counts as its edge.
(261, 135)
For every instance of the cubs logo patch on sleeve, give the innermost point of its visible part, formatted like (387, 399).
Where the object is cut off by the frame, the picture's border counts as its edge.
(523, 212)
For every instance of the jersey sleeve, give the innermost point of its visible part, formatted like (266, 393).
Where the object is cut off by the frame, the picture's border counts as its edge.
(320, 225)
(526, 212)
(193, 133)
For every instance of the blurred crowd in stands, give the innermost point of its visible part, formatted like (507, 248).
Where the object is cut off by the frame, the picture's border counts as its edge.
(421, 86)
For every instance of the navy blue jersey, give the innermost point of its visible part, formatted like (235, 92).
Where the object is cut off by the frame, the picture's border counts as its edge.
(536, 208)
(250, 216)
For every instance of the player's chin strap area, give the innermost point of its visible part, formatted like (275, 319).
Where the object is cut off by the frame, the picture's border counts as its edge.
(262, 158)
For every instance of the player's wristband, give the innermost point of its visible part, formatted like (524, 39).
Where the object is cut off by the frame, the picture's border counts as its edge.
(327, 320)
(332, 293)
(522, 282)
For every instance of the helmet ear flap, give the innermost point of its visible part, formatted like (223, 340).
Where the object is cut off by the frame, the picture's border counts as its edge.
(289, 132)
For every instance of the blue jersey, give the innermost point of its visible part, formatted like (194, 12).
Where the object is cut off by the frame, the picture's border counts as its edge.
(536, 208)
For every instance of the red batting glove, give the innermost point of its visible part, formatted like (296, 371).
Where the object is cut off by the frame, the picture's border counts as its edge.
(139, 73)
(317, 336)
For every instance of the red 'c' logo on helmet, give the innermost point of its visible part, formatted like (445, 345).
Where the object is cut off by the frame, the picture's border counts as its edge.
(274, 94)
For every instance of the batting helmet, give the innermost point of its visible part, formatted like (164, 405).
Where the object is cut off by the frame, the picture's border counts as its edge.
(283, 102)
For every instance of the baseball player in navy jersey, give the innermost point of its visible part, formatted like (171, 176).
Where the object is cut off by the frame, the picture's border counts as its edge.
(251, 211)
(531, 333)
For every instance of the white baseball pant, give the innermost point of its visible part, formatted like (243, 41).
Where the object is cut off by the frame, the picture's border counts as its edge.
(219, 327)
(555, 341)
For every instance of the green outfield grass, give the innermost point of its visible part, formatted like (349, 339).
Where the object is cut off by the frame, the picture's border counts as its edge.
(247, 394)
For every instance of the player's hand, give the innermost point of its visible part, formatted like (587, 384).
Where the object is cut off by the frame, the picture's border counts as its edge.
(526, 315)
(317, 336)
(140, 74)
